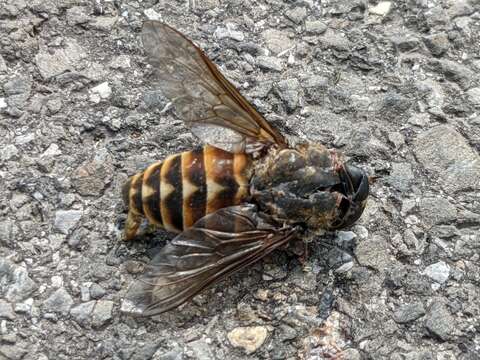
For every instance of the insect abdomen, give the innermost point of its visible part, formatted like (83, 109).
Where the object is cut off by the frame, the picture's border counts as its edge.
(183, 188)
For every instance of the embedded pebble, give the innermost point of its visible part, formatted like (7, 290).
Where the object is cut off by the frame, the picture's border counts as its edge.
(409, 312)
(66, 220)
(297, 14)
(455, 161)
(102, 313)
(382, 8)
(6, 310)
(438, 272)
(277, 41)
(100, 92)
(60, 301)
(270, 63)
(226, 33)
(249, 338)
(439, 322)
(61, 60)
(16, 282)
(315, 27)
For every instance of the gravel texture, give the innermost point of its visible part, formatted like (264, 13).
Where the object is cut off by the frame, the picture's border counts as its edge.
(393, 84)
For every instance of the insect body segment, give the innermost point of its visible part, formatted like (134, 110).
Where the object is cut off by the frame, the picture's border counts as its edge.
(177, 192)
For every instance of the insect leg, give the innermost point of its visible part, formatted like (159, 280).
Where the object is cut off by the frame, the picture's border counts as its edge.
(131, 225)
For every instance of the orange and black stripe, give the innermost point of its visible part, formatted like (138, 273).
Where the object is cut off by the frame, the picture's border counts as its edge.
(183, 188)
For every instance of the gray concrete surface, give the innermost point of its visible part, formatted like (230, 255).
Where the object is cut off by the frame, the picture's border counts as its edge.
(393, 84)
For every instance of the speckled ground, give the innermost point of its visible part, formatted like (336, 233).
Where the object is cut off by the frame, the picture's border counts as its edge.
(394, 85)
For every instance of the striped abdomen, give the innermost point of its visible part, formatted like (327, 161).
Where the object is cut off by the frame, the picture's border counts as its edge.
(183, 188)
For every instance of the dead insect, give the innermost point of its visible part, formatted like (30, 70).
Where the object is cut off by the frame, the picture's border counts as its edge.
(242, 195)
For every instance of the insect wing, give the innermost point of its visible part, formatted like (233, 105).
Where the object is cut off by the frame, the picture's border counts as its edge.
(207, 102)
(217, 245)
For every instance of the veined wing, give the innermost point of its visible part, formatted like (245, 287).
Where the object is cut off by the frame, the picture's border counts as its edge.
(207, 102)
(218, 245)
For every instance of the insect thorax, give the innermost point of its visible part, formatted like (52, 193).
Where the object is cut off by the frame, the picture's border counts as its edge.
(298, 186)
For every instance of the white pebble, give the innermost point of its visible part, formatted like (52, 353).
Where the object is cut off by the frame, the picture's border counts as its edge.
(382, 8)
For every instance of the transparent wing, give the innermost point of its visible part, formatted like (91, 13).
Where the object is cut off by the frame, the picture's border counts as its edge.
(219, 244)
(207, 102)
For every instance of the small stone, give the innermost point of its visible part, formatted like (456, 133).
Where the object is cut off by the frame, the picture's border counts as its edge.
(81, 313)
(16, 281)
(121, 62)
(438, 44)
(77, 15)
(151, 14)
(351, 354)
(57, 281)
(13, 352)
(409, 312)
(373, 252)
(436, 17)
(201, 350)
(288, 91)
(453, 71)
(474, 96)
(24, 307)
(459, 8)
(273, 272)
(54, 105)
(285, 333)
(227, 33)
(439, 272)
(175, 354)
(269, 63)
(85, 291)
(103, 23)
(440, 322)
(335, 40)
(145, 350)
(401, 176)
(6, 310)
(61, 60)
(207, 4)
(66, 220)
(24, 139)
(455, 162)
(52, 150)
(345, 238)
(99, 92)
(248, 338)
(420, 120)
(436, 210)
(96, 291)
(277, 41)
(59, 302)
(90, 178)
(315, 27)
(381, 9)
(405, 43)
(3, 103)
(102, 313)
(43, 7)
(18, 85)
(297, 14)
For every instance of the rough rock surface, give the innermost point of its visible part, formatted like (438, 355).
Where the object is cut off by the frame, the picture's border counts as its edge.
(392, 84)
